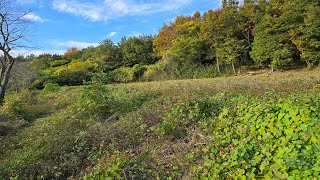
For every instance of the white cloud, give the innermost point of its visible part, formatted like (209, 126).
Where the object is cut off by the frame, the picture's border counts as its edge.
(87, 10)
(37, 52)
(68, 44)
(60, 47)
(104, 10)
(34, 17)
(111, 34)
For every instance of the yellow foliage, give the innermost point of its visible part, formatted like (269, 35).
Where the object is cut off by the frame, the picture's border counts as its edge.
(77, 66)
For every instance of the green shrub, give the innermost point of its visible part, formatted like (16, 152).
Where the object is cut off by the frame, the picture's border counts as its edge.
(70, 79)
(274, 140)
(127, 74)
(51, 88)
(99, 102)
(122, 74)
(155, 72)
(181, 116)
(53, 148)
(14, 107)
(60, 62)
(68, 141)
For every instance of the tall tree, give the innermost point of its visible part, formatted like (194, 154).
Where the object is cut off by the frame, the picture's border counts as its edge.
(109, 53)
(210, 30)
(13, 29)
(272, 43)
(188, 48)
(231, 43)
(164, 40)
(306, 35)
(248, 15)
(137, 50)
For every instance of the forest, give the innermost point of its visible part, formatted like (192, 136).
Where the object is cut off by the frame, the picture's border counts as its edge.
(235, 39)
(233, 93)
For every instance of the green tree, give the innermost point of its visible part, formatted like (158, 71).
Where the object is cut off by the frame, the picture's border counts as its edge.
(188, 48)
(89, 53)
(164, 40)
(137, 50)
(272, 43)
(210, 30)
(232, 44)
(221, 29)
(306, 36)
(109, 53)
(248, 15)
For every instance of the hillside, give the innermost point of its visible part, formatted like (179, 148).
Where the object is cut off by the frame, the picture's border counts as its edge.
(252, 126)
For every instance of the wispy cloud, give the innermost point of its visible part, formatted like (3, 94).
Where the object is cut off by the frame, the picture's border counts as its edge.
(111, 34)
(36, 52)
(34, 17)
(104, 10)
(60, 47)
(88, 10)
(68, 44)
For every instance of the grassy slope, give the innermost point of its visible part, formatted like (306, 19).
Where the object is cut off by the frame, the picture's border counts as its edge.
(279, 81)
(153, 137)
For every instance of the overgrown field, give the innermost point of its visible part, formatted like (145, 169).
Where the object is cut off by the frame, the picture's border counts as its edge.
(263, 126)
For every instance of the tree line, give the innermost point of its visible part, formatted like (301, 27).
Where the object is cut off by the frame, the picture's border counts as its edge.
(276, 34)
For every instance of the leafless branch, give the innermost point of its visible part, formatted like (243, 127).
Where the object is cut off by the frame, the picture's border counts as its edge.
(13, 31)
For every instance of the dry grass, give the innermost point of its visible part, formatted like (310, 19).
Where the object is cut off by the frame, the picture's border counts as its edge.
(289, 81)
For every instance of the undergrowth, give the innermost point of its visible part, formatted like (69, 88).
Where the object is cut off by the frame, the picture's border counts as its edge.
(261, 127)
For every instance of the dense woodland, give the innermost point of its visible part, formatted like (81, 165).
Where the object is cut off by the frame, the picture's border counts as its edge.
(71, 116)
(271, 34)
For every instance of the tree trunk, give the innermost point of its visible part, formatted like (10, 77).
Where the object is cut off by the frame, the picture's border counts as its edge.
(4, 81)
(218, 65)
(233, 68)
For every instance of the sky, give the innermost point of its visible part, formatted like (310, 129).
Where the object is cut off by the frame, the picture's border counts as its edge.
(61, 24)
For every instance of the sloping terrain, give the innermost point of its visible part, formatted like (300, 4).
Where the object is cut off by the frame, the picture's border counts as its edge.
(255, 126)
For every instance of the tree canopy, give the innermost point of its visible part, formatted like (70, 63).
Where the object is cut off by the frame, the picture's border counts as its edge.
(253, 34)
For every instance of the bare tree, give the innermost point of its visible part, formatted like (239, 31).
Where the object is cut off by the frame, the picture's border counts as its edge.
(13, 30)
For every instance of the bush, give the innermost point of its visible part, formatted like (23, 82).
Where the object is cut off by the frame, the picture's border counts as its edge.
(181, 116)
(126, 74)
(155, 72)
(100, 102)
(270, 140)
(14, 107)
(68, 141)
(53, 148)
(171, 69)
(71, 79)
(76, 66)
(60, 62)
(51, 88)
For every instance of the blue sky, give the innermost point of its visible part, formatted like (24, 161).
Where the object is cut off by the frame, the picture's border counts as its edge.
(60, 24)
